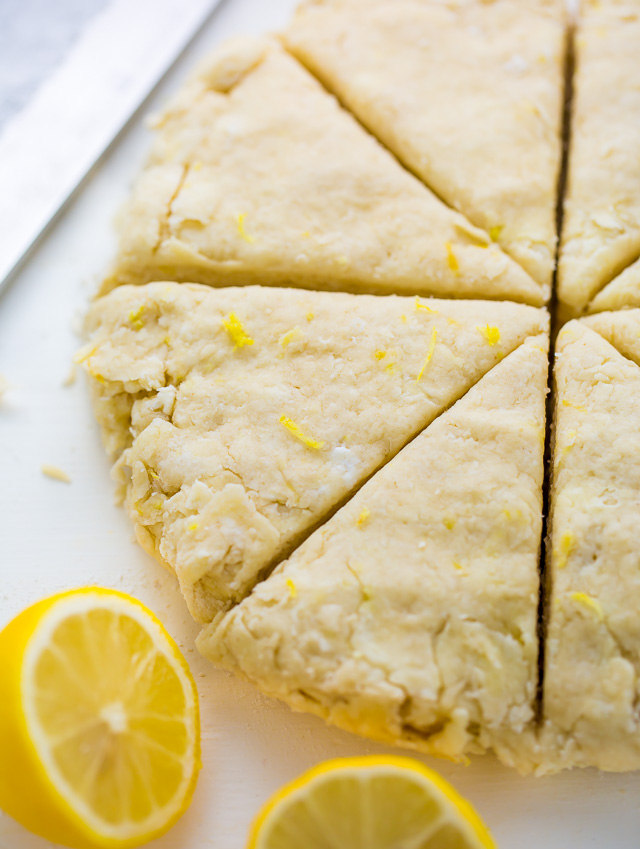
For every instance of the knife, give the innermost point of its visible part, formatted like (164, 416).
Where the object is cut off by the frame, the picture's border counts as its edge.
(52, 144)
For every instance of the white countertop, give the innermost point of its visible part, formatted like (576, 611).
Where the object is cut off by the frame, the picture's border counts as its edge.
(55, 536)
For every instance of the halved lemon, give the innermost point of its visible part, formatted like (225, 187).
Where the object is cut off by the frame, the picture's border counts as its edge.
(369, 803)
(99, 724)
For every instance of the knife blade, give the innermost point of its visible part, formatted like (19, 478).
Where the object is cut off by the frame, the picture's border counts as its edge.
(50, 146)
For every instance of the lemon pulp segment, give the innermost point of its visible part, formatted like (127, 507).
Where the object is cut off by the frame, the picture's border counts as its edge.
(369, 803)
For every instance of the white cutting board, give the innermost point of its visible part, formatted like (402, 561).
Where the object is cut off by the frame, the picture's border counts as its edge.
(55, 536)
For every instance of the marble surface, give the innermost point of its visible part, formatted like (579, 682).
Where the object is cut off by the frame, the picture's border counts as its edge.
(35, 35)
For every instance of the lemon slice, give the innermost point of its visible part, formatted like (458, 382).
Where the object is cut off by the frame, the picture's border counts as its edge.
(99, 726)
(369, 803)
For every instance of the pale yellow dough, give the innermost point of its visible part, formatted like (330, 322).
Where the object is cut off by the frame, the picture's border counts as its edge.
(592, 686)
(621, 293)
(411, 616)
(258, 176)
(601, 230)
(468, 94)
(244, 416)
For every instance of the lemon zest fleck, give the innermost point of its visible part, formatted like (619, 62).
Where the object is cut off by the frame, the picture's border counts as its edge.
(306, 234)
(85, 354)
(309, 316)
(427, 360)
(491, 334)
(564, 550)
(287, 338)
(379, 355)
(403, 318)
(241, 231)
(192, 527)
(573, 406)
(457, 565)
(135, 318)
(420, 306)
(391, 367)
(494, 232)
(293, 590)
(364, 515)
(293, 428)
(452, 260)
(236, 331)
(56, 473)
(449, 524)
(590, 603)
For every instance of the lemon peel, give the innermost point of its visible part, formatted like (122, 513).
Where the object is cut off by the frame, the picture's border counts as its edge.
(452, 260)
(116, 763)
(293, 428)
(135, 318)
(240, 218)
(343, 802)
(236, 331)
(427, 359)
(491, 334)
(362, 518)
(589, 603)
(564, 549)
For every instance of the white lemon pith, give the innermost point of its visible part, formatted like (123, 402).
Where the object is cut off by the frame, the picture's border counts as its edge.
(98, 719)
(369, 803)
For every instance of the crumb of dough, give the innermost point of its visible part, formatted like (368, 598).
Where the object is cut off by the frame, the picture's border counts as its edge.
(56, 473)
(70, 379)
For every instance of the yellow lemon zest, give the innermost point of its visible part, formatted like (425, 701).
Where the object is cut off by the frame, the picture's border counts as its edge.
(420, 306)
(287, 338)
(241, 231)
(293, 428)
(364, 515)
(573, 406)
(192, 527)
(390, 368)
(135, 318)
(432, 345)
(494, 232)
(449, 524)
(452, 260)
(379, 355)
(564, 550)
(84, 354)
(491, 334)
(590, 603)
(457, 565)
(403, 318)
(293, 590)
(236, 331)
(309, 316)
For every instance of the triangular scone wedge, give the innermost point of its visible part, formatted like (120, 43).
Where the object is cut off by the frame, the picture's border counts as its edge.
(601, 228)
(467, 94)
(259, 176)
(622, 292)
(592, 669)
(411, 616)
(254, 411)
